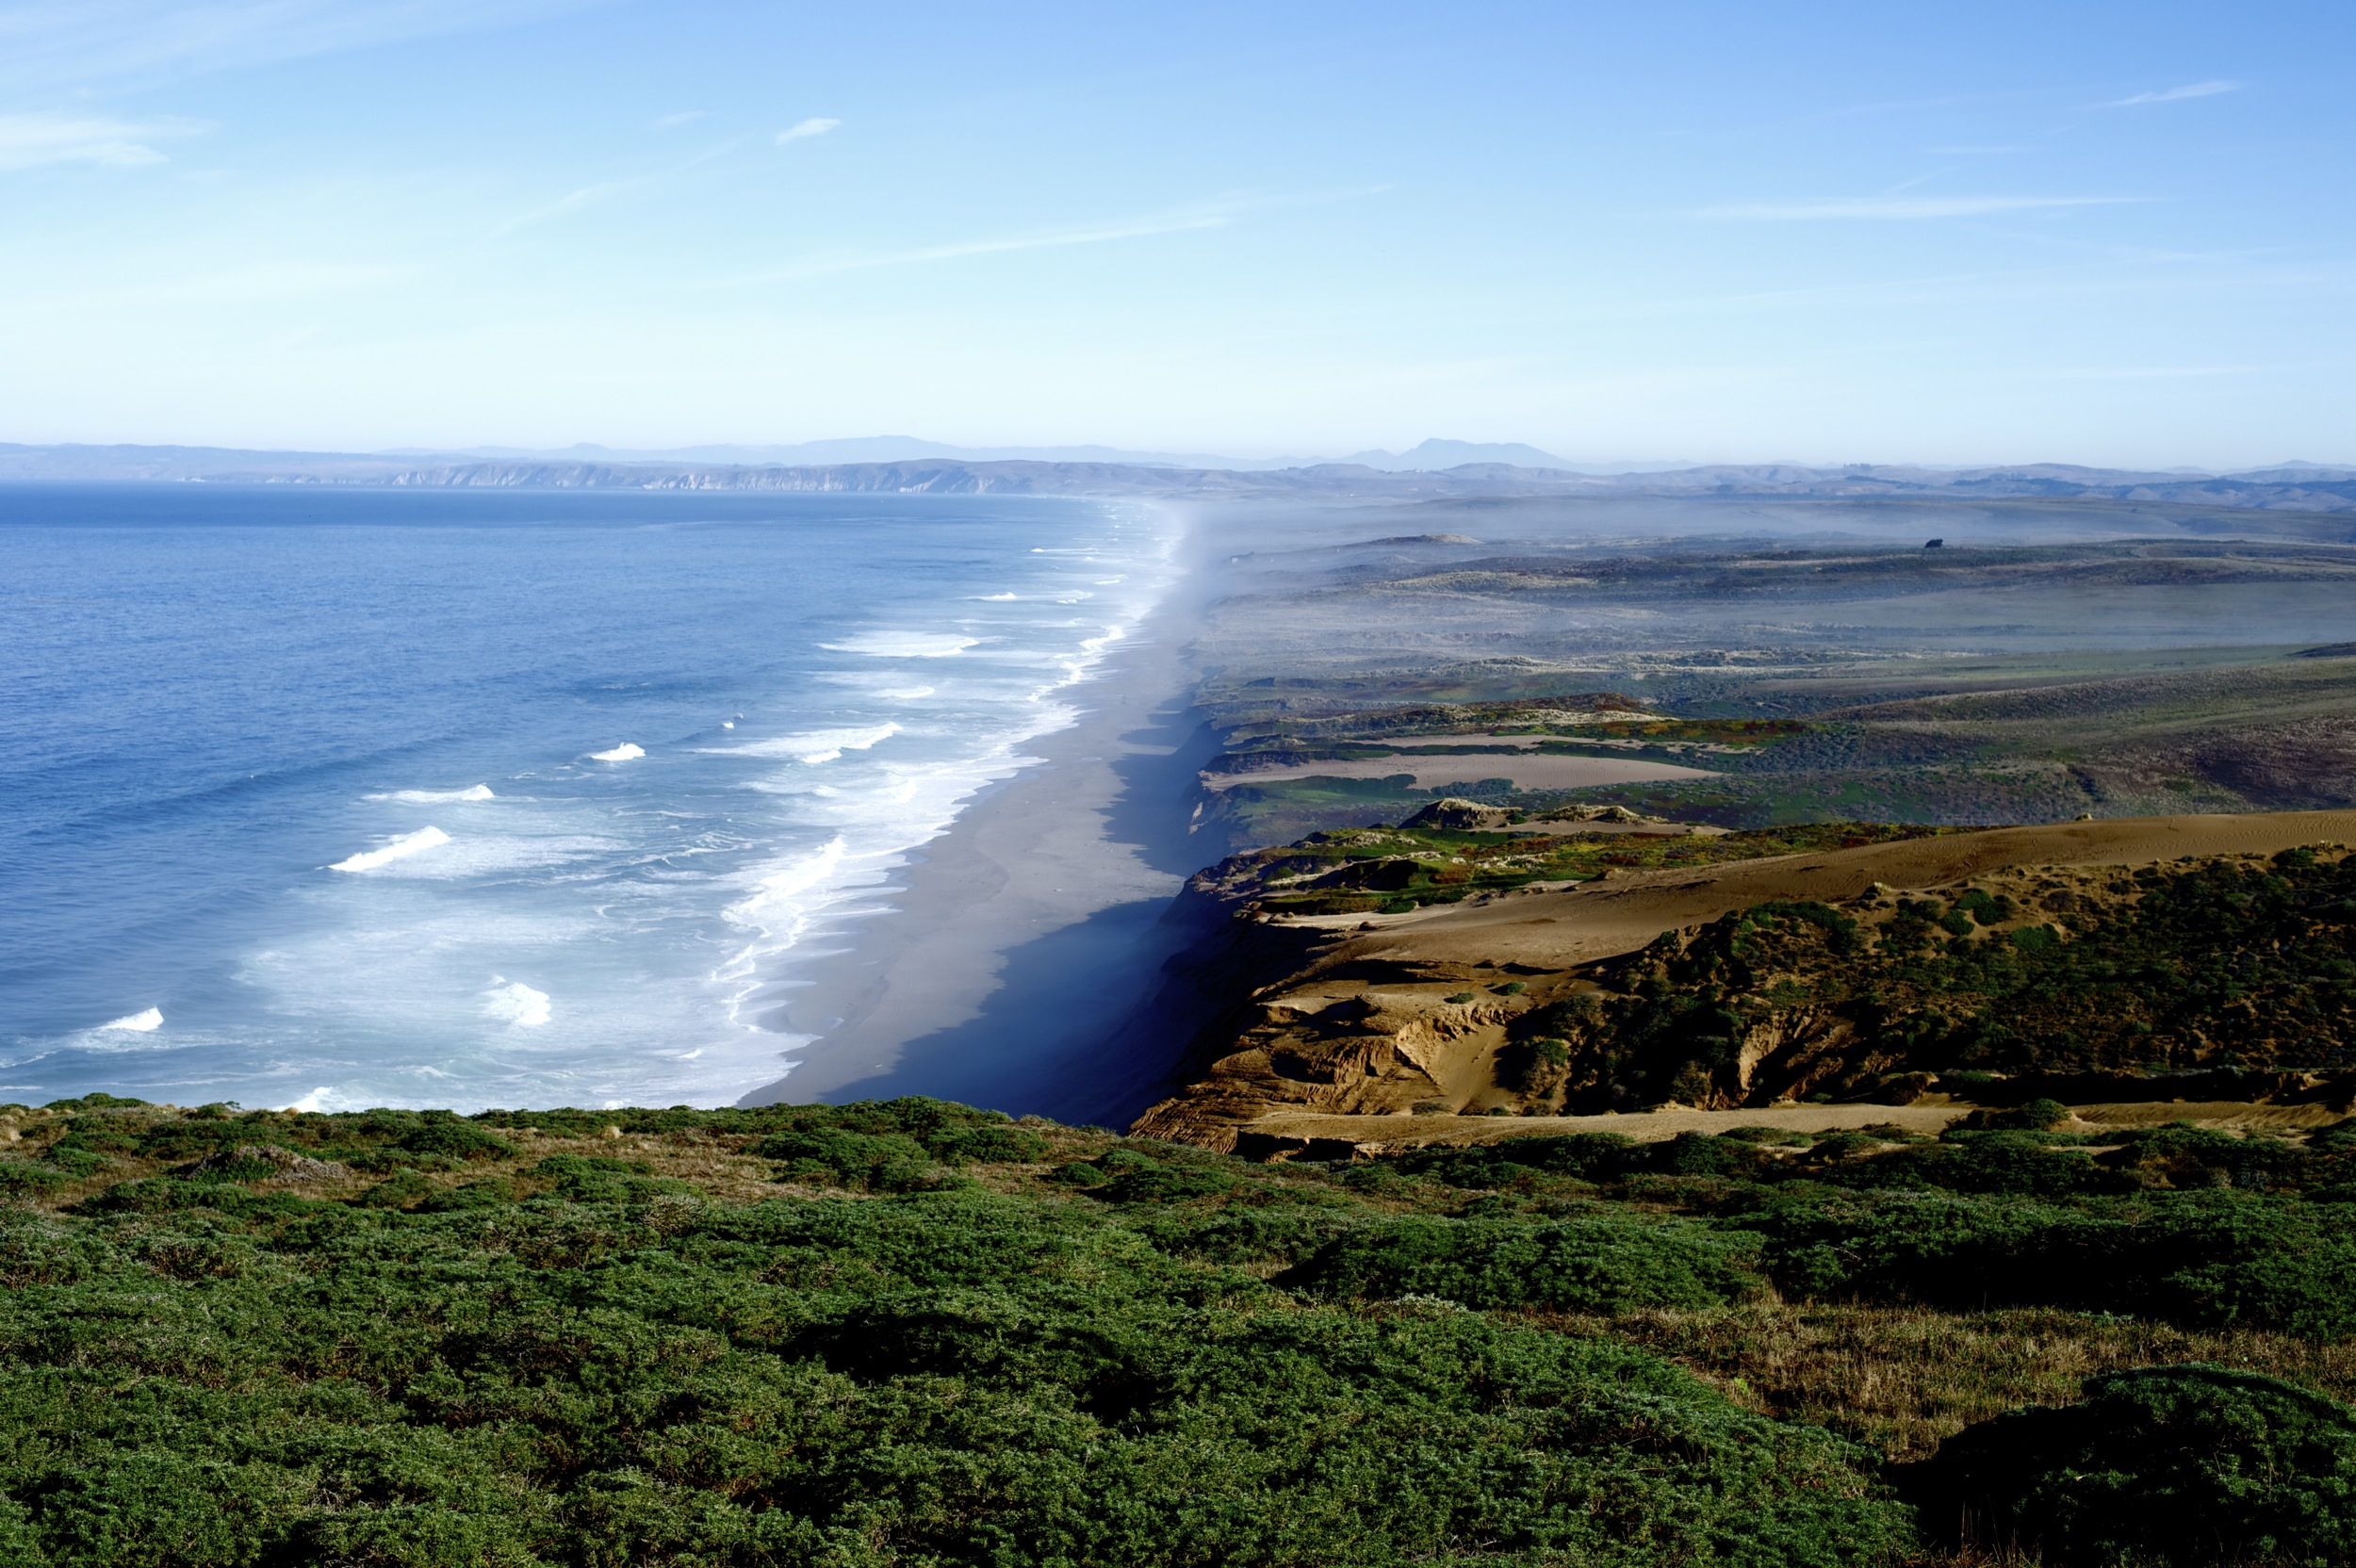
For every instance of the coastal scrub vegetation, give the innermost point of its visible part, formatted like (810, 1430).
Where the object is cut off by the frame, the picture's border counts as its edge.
(911, 1332)
(2230, 962)
(1391, 870)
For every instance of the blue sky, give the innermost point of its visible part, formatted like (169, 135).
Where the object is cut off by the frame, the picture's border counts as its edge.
(2101, 233)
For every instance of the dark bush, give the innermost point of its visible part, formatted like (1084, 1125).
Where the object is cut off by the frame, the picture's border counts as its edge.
(1590, 1156)
(404, 1189)
(2200, 1260)
(1608, 1262)
(2169, 1466)
(1128, 1176)
(987, 1144)
(872, 1161)
(440, 1133)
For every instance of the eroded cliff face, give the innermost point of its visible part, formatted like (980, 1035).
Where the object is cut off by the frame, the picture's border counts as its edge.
(2050, 967)
(1356, 1038)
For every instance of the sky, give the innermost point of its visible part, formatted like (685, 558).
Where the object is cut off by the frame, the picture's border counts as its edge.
(2102, 233)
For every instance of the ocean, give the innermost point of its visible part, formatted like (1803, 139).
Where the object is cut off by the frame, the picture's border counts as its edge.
(332, 798)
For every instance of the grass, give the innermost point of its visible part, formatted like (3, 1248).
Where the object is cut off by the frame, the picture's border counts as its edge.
(1903, 1379)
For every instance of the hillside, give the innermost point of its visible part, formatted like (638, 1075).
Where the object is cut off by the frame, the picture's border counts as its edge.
(1711, 974)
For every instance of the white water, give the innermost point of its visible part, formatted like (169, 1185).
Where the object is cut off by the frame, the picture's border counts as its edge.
(580, 858)
(399, 849)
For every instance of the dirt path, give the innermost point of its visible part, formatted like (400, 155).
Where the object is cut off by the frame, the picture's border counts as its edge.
(1659, 1126)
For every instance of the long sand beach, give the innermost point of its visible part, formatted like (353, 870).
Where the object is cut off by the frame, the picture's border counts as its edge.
(1025, 931)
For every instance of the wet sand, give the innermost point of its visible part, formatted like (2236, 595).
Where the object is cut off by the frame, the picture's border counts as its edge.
(1027, 932)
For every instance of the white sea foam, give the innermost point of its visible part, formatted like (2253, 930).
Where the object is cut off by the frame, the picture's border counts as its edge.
(486, 854)
(436, 798)
(901, 807)
(995, 599)
(673, 908)
(142, 1022)
(515, 1003)
(817, 746)
(904, 645)
(399, 849)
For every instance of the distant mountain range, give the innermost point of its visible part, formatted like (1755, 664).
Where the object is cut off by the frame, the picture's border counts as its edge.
(153, 462)
(1432, 455)
(1433, 469)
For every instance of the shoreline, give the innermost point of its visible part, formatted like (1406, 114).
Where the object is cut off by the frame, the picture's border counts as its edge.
(1025, 931)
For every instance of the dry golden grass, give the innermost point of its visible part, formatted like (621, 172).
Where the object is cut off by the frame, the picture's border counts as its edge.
(1903, 1378)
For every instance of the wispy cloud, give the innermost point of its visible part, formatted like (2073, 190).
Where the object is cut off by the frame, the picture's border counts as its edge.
(58, 44)
(589, 194)
(2163, 372)
(2174, 94)
(1889, 207)
(673, 121)
(814, 125)
(33, 141)
(1215, 213)
(1043, 240)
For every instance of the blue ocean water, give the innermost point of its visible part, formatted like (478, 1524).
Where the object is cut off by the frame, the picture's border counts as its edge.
(341, 797)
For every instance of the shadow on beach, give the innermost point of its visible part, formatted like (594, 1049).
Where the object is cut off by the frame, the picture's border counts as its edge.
(1063, 1029)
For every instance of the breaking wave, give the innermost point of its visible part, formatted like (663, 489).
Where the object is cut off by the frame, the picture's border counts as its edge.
(399, 849)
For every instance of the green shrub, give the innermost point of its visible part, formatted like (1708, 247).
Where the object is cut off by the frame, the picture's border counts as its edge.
(24, 1176)
(1608, 1263)
(1128, 1176)
(874, 1161)
(992, 1145)
(949, 1380)
(491, 1193)
(440, 1133)
(404, 1189)
(1589, 1156)
(2173, 1467)
(2200, 1260)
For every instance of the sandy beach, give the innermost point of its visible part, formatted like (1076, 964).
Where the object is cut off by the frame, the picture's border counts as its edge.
(1028, 930)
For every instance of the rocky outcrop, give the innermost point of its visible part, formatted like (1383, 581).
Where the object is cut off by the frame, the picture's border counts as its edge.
(1365, 1039)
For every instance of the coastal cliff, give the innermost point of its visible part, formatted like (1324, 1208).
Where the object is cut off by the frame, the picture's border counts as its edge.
(2106, 960)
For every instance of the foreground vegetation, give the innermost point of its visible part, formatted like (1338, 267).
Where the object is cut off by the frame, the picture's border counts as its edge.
(909, 1333)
